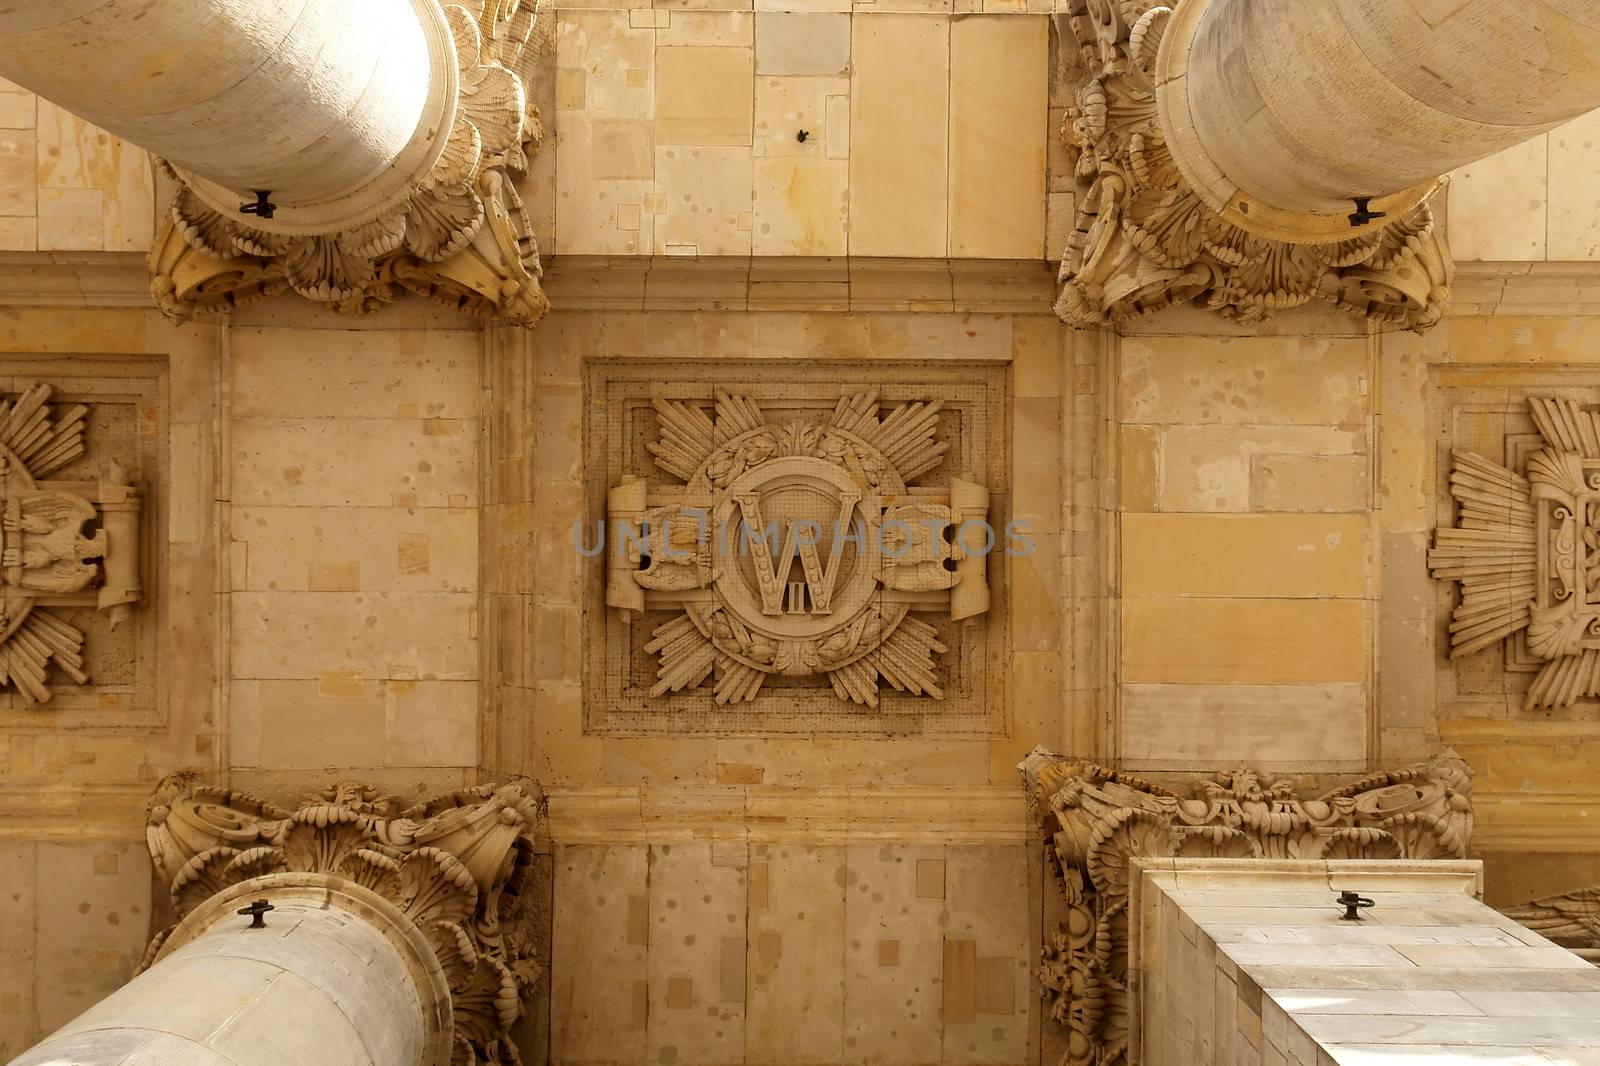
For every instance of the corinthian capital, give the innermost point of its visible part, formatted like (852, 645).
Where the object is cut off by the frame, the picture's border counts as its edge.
(442, 220)
(1145, 238)
(452, 867)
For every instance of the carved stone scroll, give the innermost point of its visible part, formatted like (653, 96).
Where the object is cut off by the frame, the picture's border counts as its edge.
(1097, 821)
(1144, 239)
(460, 237)
(64, 544)
(452, 866)
(801, 548)
(1525, 549)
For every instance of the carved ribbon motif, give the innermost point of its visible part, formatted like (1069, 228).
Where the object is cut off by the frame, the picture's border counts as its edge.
(798, 548)
(453, 865)
(1144, 240)
(1097, 821)
(461, 239)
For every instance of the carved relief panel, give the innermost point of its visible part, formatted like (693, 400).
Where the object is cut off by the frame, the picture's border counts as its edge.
(1518, 543)
(75, 451)
(808, 550)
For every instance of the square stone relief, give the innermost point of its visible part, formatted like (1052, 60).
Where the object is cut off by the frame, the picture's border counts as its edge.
(95, 639)
(795, 548)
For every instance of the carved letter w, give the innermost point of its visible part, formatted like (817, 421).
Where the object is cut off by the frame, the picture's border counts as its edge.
(801, 538)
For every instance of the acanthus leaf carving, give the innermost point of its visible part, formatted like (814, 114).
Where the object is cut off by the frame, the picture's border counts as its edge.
(460, 237)
(452, 866)
(1097, 822)
(1143, 239)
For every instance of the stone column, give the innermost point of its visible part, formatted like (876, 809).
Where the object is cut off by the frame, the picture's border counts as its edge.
(390, 937)
(314, 101)
(1281, 113)
(336, 975)
(344, 149)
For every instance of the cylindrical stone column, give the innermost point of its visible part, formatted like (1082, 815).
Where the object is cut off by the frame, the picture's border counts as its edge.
(338, 977)
(1282, 113)
(315, 101)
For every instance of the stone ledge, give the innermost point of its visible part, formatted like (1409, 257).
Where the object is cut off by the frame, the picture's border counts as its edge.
(979, 814)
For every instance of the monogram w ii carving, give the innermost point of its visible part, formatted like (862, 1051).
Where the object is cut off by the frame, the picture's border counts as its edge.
(797, 549)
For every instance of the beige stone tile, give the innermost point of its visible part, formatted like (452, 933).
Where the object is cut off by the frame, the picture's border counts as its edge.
(891, 1013)
(17, 876)
(320, 373)
(1574, 160)
(1234, 641)
(391, 549)
(796, 932)
(18, 173)
(1499, 207)
(1244, 555)
(1310, 482)
(285, 635)
(1214, 468)
(704, 95)
(1191, 727)
(997, 136)
(705, 29)
(598, 972)
(1315, 381)
(354, 462)
(430, 723)
(19, 234)
(987, 898)
(597, 212)
(92, 914)
(697, 934)
(801, 205)
(899, 119)
(787, 105)
(335, 722)
(18, 110)
(72, 220)
(705, 193)
(809, 43)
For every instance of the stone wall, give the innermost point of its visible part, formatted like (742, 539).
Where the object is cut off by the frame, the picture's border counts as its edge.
(365, 565)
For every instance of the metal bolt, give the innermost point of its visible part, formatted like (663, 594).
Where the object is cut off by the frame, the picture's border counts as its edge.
(263, 207)
(1364, 213)
(1353, 903)
(258, 913)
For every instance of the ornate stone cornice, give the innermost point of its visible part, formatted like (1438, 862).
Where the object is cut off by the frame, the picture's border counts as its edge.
(1145, 239)
(453, 866)
(1097, 821)
(459, 235)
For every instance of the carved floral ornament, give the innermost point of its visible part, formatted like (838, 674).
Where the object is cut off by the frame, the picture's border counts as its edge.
(1144, 239)
(453, 866)
(798, 549)
(64, 544)
(1097, 821)
(1525, 550)
(460, 237)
